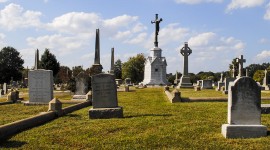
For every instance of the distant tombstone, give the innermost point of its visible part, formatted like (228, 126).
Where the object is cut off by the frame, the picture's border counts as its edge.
(199, 83)
(128, 81)
(118, 81)
(5, 88)
(241, 62)
(207, 84)
(40, 86)
(227, 82)
(81, 83)
(197, 88)
(265, 81)
(244, 110)
(104, 98)
(220, 84)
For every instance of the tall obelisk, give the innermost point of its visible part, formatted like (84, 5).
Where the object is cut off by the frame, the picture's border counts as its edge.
(112, 61)
(97, 67)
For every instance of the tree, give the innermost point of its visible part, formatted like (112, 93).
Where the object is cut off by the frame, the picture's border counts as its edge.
(11, 65)
(77, 69)
(48, 61)
(258, 76)
(134, 68)
(64, 75)
(118, 69)
(233, 65)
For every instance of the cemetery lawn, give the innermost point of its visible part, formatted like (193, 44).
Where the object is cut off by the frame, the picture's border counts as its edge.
(150, 122)
(13, 112)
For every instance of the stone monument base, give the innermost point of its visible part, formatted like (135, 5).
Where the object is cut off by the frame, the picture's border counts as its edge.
(185, 82)
(79, 97)
(243, 131)
(106, 113)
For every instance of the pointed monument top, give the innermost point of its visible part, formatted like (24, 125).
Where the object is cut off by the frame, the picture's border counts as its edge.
(97, 48)
(36, 60)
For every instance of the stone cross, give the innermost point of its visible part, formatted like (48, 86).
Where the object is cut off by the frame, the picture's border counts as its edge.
(221, 77)
(157, 22)
(185, 51)
(233, 71)
(36, 60)
(265, 80)
(240, 61)
(97, 48)
(112, 61)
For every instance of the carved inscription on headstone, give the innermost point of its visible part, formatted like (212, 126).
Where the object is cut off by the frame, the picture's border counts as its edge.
(244, 102)
(104, 91)
(40, 86)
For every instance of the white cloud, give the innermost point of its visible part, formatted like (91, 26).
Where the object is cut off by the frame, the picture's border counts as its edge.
(58, 43)
(267, 13)
(138, 39)
(3, 1)
(201, 39)
(198, 1)
(236, 4)
(14, 16)
(120, 21)
(169, 34)
(263, 41)
(2, 40)
(263, 56)
(75, 23)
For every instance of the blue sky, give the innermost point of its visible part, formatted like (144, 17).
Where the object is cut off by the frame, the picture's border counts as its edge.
(217, 30)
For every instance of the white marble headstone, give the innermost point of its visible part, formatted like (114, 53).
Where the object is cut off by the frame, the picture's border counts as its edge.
(40, 86)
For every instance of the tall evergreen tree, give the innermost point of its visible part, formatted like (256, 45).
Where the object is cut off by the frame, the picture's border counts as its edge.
(11, 65)
(48, 61)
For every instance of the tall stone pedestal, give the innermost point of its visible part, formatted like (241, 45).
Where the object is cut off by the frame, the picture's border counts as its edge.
(185, 82)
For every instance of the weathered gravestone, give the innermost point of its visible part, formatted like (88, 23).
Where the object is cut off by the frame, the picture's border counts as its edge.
(220, 83)
(81, 83)
(244, 110)
(207, 84)
(128, 81)
(40, 86)
(81, 86)
(104, 99)
(226, 82)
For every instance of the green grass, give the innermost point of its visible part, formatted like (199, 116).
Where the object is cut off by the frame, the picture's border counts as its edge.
(150, 122)
(13, 112)
(203, 93)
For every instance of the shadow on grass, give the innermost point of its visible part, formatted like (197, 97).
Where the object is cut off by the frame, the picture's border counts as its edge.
(11, 144)
(73, 115)
(148, 115)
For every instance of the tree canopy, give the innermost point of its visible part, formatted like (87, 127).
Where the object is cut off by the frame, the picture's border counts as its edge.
(118, 69)
(11, 65)
(134, 68)
(48, 61)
